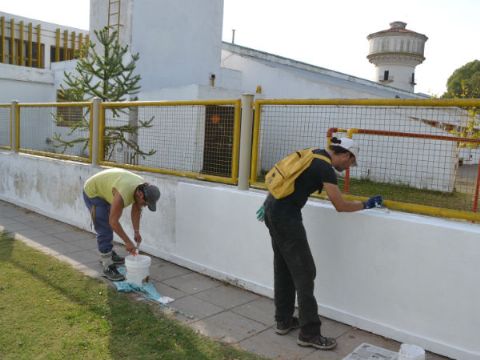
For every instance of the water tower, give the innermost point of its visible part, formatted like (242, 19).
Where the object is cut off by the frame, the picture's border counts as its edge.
(396, 52)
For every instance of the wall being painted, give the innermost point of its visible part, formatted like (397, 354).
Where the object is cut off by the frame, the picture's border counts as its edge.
(411, 278)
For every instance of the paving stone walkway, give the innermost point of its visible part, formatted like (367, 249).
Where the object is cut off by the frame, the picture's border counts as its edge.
(218, 310)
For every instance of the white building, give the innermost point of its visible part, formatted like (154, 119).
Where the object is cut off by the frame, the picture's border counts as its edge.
(396, 52)
(181, 57)
(30, 50)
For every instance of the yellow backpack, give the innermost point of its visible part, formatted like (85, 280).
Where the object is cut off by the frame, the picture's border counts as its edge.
(280, 180)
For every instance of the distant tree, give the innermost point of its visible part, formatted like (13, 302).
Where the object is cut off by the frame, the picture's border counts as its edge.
(464, 82)
(105, 74)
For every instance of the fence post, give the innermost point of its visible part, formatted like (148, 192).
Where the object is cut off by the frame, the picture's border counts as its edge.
(14, 126)
(245, 142)
(95, 129)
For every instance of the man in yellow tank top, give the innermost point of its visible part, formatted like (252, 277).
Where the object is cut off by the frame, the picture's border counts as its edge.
(106, 194)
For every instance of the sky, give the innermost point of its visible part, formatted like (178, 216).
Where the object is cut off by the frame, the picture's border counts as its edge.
(330, 34)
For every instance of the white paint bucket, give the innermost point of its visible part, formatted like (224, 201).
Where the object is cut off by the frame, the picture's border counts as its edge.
(138, 268)
(411, 352)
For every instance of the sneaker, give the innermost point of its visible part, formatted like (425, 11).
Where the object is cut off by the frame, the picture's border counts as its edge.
(284, 327)
(112, 274)
(117, 259)
(316, 341)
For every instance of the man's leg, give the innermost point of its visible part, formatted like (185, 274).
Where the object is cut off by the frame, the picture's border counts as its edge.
(100, 212)
(293, 245)
(284, 288)
(296, 252)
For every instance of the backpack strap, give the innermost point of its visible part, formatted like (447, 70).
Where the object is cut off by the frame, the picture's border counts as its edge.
(323, 157)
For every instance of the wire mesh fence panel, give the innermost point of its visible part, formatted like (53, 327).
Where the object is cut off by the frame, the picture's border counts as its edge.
(59, 130)
(185, 139)
(419, 169)
(5, 127)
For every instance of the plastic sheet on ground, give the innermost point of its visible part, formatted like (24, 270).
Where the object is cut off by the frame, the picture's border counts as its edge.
(147, 289)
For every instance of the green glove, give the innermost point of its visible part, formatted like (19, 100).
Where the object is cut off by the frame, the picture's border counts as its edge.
(261, 213)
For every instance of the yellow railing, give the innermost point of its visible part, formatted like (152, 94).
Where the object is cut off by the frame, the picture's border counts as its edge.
(38, 123)
(5, 127)
(425, 173)
(210, 128)
(201, 140)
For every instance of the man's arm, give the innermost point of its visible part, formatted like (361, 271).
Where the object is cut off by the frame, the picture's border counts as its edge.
(116, 211)
(340, 204)
(136, 214)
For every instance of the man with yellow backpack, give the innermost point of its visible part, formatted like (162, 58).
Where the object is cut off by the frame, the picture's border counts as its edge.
(290, 183)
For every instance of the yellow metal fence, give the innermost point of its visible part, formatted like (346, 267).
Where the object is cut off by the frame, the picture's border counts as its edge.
(432, 168)
(420, 172)
(60, 130)
(198, 139)
(5, 126)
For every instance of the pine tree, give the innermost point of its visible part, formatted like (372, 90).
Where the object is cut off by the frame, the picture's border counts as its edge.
(105, 75)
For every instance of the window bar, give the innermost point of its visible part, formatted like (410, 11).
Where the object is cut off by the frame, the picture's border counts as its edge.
(21, 45)
(39, 47)
(2, 30)
(80, 45)
(72, 40)
(30, 45)
(12, 42)
(57, 45)
(65, 45)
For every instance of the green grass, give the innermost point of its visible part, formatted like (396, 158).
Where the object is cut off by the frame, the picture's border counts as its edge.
(50, 311)
(454, 200)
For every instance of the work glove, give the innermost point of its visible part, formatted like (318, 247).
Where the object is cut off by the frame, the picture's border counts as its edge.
(261, 213)
(374, 201)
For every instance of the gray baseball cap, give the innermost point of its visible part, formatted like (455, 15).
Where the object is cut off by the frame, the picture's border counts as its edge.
(152, 194)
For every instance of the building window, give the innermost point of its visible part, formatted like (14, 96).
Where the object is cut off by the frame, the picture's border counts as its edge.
(14, 58)
(68, 116)
(413, 79)
(385, 75)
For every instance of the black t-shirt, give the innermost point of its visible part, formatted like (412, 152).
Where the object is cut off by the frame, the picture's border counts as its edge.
(309, 181)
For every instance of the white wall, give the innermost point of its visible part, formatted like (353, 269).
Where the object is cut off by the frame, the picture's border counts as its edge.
(411, 278)
(25, 84)
(179, 44)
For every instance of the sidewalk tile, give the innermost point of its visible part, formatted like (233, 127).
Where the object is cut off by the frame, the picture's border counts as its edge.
(227, 296)
(166, 290)
(351, 339)
(74, 235)
(167, 271)
(333, 328)
(17, 226)
(85, 256)
(64, 248)
(273, 346)
(56, 229)
(86, 244)
(158, 262)
(261, 310)
(228, 327)
(192, 283)
(192, 309)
